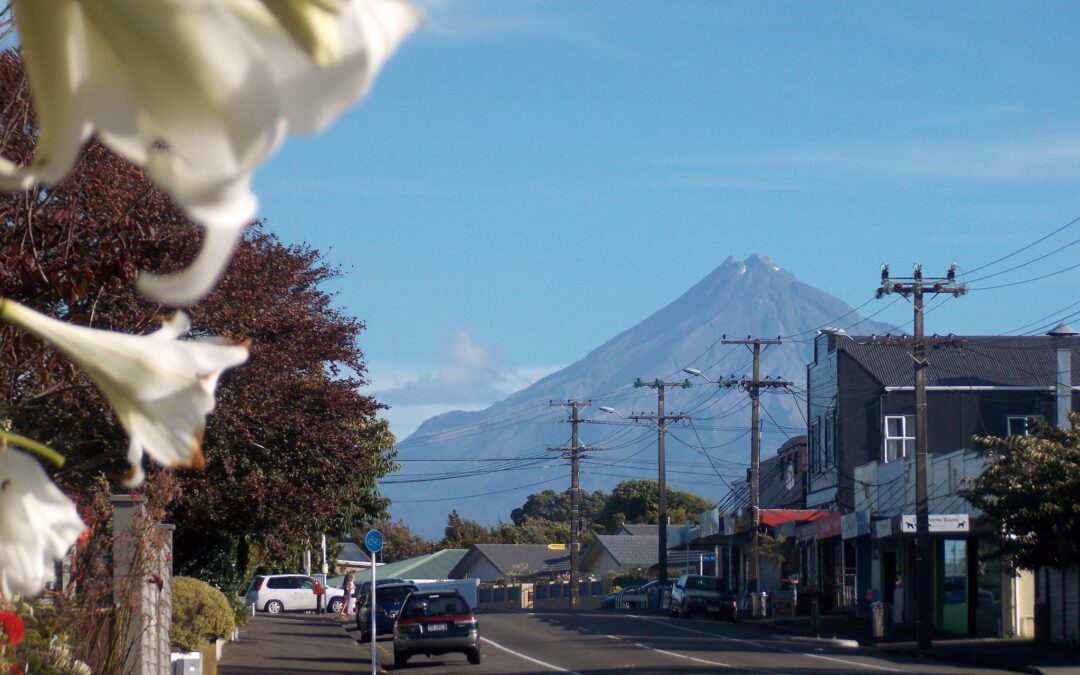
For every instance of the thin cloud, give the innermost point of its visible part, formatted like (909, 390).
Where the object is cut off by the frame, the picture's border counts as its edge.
(474, 19)
(468, 373)
(1044, 158)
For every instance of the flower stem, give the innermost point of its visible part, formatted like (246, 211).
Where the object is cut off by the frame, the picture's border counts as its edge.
(40, 449)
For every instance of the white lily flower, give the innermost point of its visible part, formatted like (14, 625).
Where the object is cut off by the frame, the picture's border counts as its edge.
(38, 524)
(161, 388)
(198, 93)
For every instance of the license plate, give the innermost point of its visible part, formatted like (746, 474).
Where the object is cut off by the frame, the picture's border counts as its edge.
(436, 627)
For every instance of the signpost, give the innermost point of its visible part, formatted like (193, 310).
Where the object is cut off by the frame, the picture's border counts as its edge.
(374, 542)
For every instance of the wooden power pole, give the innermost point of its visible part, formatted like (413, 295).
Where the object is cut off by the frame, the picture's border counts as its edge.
(916, 287)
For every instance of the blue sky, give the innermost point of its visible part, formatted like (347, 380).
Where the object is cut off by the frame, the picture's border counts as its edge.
(528, 179)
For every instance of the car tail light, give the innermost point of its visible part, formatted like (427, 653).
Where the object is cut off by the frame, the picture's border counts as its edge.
(259, 583)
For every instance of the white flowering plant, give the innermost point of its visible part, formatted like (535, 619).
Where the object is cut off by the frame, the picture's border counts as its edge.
(197, 94)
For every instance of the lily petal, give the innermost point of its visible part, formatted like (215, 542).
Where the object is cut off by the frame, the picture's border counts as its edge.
(38, 524)
(198, 92)
(160, 387)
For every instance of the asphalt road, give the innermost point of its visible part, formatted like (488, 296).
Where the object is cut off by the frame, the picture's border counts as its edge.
(620, 642)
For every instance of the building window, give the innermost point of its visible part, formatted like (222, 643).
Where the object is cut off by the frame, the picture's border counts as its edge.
(817, 463)
(830, 439)
(1017, 425)
(899, 436)
(789, 474)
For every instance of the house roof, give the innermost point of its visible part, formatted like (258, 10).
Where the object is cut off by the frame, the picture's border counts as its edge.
(351, 553)
(639, 530)
(1000, 361)
(517, 559)
(437, 565)
(635, 551)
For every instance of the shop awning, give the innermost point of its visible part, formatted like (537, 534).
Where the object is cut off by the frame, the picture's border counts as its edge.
(773, 517)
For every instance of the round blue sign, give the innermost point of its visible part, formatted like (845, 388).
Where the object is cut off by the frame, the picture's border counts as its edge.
(373, 540)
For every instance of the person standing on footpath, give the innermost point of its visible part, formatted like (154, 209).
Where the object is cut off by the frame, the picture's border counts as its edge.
(347, 606)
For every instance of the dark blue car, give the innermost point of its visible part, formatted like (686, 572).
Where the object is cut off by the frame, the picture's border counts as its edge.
(388, 601)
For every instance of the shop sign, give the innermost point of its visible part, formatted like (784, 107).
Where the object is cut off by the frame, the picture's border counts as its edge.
(883, 528)
(940, 523)
(855, 524)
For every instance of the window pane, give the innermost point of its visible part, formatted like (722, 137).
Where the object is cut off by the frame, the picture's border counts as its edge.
(894, 427)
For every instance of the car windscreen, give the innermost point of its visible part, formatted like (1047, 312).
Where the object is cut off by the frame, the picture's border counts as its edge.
(436, 605)
(395, 594)
(703, 584)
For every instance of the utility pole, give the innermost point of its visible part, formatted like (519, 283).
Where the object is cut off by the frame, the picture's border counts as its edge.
(753, 386)
(574, 453)
(661, 420)
(916, 287)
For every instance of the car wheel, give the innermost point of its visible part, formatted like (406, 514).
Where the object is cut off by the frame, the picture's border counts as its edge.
(474, 656)
(275, 607)
(685, 611)
(335, 605)
(400, 659)
(365, 636)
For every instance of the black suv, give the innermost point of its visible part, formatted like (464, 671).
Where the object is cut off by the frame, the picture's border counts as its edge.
(389, 598)
(698, 594)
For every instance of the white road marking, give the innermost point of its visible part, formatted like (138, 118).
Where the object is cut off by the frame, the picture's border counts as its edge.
(682, 656)
(858, 664)
(528, 658)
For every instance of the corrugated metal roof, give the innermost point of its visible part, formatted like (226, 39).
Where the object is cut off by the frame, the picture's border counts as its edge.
(435, 565)
(977, 361)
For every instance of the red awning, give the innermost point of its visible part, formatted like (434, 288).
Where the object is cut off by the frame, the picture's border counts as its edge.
(773, 517)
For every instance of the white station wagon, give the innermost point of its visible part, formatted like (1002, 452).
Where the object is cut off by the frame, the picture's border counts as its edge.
(276, 593)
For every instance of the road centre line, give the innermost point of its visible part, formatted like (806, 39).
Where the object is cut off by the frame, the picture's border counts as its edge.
(769, 646)
(683, 656)
(538, 662)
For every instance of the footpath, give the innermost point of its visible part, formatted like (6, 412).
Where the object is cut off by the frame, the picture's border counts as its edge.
(1022, 656)
(294, 644)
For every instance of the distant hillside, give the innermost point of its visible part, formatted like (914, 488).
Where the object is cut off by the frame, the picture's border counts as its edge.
(502, 450)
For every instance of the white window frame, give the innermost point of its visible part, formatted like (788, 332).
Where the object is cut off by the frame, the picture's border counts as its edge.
(1019, 419)
(789, 474)
(906, 440)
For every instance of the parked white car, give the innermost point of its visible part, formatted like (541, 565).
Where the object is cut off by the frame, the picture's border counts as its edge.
(276, 593)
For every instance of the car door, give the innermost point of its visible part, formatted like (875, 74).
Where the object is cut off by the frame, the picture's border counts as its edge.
(305, 593)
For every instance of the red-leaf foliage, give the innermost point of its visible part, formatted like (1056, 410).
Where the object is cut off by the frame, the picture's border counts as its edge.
(292, 445)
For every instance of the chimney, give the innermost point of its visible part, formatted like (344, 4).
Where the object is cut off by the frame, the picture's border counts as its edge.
(1063, 337)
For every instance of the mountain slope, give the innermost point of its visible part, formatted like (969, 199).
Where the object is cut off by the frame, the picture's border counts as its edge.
(501, 451)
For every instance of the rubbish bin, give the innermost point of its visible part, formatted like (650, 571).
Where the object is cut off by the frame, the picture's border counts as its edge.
(758, 608)
(881, 618)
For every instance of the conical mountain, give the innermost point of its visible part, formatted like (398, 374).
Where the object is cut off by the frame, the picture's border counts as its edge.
(503, 450)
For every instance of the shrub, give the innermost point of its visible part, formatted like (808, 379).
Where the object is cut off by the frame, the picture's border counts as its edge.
(200, 613)
(241, 612)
